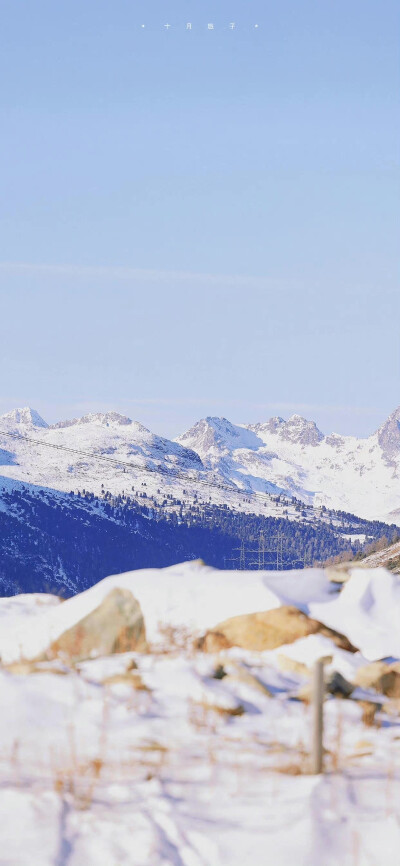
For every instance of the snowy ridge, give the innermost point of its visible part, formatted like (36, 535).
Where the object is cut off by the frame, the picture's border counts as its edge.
(340, 472)
(212, 461)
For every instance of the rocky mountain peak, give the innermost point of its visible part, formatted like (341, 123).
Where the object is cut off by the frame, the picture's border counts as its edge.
(218, 433)
(389, 435)
(298, 429)
(105, 419)
(26, 417)
(271, 426)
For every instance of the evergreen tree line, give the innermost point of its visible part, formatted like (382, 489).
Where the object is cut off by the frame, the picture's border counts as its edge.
(54, 542)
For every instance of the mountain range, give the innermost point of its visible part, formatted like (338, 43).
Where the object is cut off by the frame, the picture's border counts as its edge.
(248, 467)
(101, 494)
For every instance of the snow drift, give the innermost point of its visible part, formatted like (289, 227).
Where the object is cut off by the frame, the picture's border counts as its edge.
(196, 597)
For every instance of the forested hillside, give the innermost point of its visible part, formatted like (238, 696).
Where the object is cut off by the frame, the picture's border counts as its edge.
(50, 541)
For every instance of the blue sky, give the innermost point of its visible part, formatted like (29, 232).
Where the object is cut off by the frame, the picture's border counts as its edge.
(200, 222)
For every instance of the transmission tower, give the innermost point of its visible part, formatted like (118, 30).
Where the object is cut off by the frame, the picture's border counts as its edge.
(261, 552)
(239, 561)
(267, 553)
(279, 552)
(264, 552)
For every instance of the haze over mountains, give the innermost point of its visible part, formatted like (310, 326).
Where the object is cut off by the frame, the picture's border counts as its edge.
(215, 461)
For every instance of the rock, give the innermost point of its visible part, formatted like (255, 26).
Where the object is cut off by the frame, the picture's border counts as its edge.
(219, 672)
(383, 677)
(368, 676)
(369, 710)
(267, 630)
(213, 642)
(292, 666)
(238, 673)
(115, 626)
(304, 693)
(338, 686)
(392, 707)
(335, 684)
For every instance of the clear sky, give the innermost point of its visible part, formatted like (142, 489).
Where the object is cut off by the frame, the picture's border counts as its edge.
(198, 222)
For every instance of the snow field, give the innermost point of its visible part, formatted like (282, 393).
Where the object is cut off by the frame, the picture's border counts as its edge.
(98, 772)
(155, 760)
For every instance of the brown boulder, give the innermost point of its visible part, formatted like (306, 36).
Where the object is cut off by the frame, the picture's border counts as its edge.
(369, 711)
(115, 626)
(382, 677)
(268, 630)
(213, 642)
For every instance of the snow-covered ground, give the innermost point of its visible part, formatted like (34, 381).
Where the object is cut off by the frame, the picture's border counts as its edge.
(190, 596)
(212, 461)
(155, 759)
(388, 556)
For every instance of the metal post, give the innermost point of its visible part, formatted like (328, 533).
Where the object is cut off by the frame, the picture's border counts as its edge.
(317, 756)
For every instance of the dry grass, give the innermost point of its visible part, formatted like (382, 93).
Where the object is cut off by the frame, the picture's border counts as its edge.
(130, 678)
(78, 780)
(336, 752)
(205, 716)
(292, 769)
(173, 640)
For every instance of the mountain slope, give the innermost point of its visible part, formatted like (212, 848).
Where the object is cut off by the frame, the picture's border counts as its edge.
(53, 541)
(386, 557)
(361, 476)
(83, 498)
(214, 461)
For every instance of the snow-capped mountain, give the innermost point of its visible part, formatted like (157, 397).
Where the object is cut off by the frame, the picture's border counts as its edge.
(360, 476)
(212, 461)
(389, 437)
(85, 452)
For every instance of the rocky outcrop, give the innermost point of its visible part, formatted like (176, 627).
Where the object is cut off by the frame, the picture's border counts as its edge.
(337, 685)
(389, 435)
(383, 677)
(115, 626)
(268, 630)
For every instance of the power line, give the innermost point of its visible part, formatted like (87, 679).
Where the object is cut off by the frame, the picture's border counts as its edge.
(262, 549)
(159, 471)
(275, 548)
